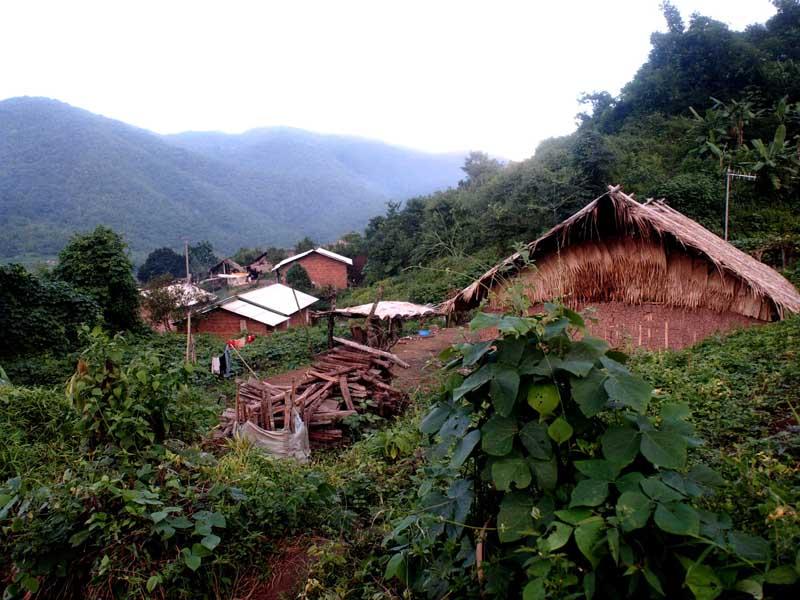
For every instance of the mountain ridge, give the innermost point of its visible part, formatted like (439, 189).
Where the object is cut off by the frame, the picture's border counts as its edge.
(64, 169)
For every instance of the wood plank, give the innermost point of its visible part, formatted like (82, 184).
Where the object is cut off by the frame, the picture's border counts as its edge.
(367, 349)
(348, 400)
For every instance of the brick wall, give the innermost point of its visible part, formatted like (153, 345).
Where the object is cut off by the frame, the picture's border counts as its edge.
(653, 326)
(227, 325)
(657, 326)
(322, 271)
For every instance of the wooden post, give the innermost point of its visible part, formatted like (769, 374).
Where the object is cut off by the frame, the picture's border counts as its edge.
(371, 329)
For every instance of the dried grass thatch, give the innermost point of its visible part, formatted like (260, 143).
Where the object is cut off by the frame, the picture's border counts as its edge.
(616, 249)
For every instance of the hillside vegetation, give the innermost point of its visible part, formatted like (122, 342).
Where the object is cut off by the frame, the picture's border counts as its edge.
(674, 130)
(63, 169)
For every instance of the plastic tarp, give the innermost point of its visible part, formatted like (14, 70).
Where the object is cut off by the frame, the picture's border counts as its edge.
(283, 444)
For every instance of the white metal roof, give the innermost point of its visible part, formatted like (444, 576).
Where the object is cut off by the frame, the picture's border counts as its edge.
(328, 253)
(278, 298)
(251, 311)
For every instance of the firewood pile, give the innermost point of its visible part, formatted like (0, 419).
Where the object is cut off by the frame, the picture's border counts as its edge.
(344, 381)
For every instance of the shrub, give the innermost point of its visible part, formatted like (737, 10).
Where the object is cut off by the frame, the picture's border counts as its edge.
(547, 476)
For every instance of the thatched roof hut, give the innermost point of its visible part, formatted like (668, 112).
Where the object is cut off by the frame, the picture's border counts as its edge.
(642, 265)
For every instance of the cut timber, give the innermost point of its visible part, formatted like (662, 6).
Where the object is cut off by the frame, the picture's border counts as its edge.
(367, 349)
(346, 393)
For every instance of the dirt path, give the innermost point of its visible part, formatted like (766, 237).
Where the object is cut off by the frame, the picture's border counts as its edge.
(419, 352)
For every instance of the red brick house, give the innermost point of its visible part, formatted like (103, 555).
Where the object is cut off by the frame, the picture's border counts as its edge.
(655, 278)
(261, 311)
(324, 268)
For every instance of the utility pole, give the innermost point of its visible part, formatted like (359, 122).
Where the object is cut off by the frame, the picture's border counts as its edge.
(188, 308)
(728, 176)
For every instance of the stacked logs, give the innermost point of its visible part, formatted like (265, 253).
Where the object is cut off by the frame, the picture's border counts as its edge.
(344, 381)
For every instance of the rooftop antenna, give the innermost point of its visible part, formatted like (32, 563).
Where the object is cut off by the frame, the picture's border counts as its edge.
(728, 176)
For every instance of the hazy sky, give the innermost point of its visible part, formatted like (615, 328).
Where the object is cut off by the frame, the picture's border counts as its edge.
(437, 75)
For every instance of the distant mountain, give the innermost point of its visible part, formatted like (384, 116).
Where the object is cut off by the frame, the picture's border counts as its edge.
(63, 169)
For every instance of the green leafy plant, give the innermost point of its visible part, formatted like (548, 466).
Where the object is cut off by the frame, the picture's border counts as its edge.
(548, 477)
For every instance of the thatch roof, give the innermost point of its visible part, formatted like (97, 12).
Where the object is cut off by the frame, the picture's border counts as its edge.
(617, 228)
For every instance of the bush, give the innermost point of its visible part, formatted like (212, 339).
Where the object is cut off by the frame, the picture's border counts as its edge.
(548, 477)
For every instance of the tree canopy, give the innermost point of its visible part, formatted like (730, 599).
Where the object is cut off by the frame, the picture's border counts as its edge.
(162, 261)
(97, 265)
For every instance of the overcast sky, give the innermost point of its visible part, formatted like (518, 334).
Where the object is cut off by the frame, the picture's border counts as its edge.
(436, 75)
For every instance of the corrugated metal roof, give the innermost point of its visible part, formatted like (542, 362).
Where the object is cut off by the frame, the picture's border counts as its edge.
(388, 309)
(328, 253)
(278, 298)
(251, 311)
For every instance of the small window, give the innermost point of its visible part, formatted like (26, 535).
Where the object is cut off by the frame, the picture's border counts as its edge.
(242, 325)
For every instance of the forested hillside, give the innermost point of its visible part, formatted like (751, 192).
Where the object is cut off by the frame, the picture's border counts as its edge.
(63, 169)
(707, 99)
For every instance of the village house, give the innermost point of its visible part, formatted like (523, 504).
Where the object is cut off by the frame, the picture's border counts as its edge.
(260, 311)
(260, 266)
(229, 273)
(324, 268)
(655, 278)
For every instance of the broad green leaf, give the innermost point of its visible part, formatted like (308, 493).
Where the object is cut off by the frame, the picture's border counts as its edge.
(664, 449)
(785, 575)
(460, 492)
(546, 472)
(633, 511)
(508, 470)
(484, 320)
(464, 448)
(589, 392)
(503, 389)
(30, 583)
(511, 325)
(612, 537)
(588, 537)
(677, 518)
(625, 388)
(514, 519)
(544, 398)
(656, 490)
(435, 418)
(580, 359)
(751, 587)
(152, 582)
(534, 590)
(559, 537)
(629, 482)
(573, 516)
(653, 580)
(589, 492)
(510, 350)
(192, 561)
(560, 430)
(456, 424)
(497, 435)
(620, 445)
(597, 468)
(472, 353)
(210, 541)
(474, 381)
(590, 585)
(536, 441)
(396, 567)
(749, 547)
(556, 328)
(703, 582)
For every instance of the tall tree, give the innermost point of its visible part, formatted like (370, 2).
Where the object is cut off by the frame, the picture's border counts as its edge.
(297, 278)
(479, 167)
(97, 264)
(162, 261)
(304, 245)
